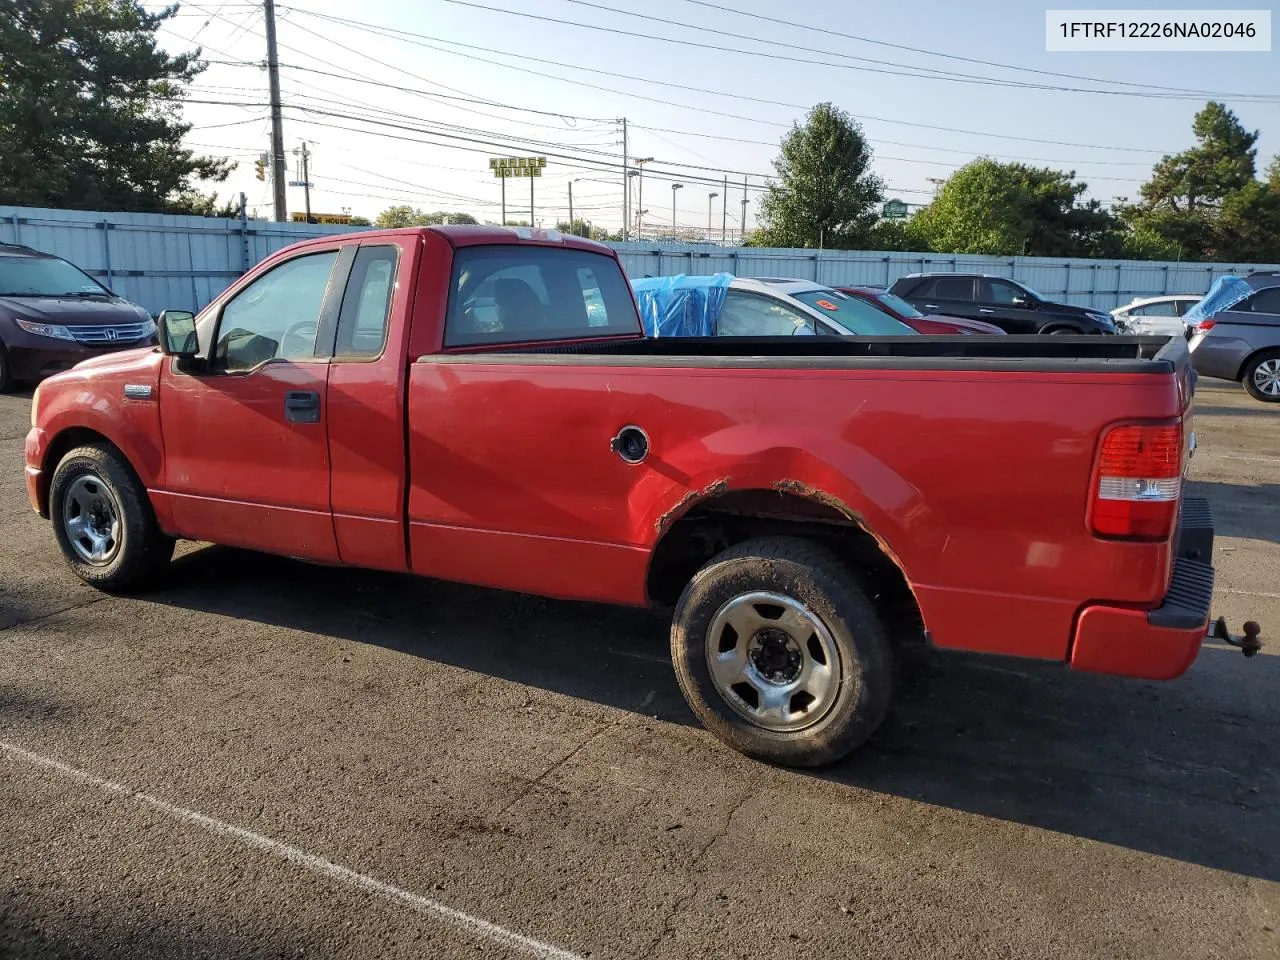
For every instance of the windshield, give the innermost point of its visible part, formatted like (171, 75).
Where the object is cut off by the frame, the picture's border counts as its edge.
(44, 277)
(855, 315)
(898, 305)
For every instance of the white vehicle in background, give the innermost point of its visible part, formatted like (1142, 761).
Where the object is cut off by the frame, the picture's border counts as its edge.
(1155, 316)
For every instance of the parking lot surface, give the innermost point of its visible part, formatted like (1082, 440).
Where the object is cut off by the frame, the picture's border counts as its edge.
(267, 758)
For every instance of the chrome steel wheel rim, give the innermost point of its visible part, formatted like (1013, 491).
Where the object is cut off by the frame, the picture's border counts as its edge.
(1266, 377)
(91, 519)
(773, 661)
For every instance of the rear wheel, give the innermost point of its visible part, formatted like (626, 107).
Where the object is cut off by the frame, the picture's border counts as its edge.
(1261, 376)
(1061, 331)
(103, 521)
(780, 653)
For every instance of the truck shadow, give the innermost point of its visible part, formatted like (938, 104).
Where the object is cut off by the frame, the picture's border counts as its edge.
(1240, 509)
(1182, 770)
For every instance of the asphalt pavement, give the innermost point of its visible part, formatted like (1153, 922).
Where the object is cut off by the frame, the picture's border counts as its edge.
(267, 758)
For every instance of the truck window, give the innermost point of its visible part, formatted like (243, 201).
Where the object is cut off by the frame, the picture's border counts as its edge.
(362, 321)
(276, 316)
(751, 315)
(519, 292)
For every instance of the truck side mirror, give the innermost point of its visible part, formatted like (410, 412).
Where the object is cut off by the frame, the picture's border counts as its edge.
(178, 334)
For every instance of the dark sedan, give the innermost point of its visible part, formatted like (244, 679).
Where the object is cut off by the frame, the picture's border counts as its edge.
(53, 315)
(932, 323)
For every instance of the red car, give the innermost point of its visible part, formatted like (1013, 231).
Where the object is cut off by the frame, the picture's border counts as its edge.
(480, 404)
(933, 323)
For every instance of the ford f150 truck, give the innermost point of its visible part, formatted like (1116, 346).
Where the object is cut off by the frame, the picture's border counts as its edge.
(479, 404)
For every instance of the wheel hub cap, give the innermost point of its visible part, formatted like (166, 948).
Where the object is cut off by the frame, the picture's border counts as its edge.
(773, 661)
(1267, 377)
(91, 519)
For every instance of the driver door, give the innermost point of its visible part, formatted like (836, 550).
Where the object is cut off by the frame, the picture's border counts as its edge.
(246, 452)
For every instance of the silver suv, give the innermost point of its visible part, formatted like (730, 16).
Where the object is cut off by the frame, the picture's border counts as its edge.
(1242, 342)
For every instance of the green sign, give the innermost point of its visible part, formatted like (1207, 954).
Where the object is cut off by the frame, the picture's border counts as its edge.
(895, 210)
(501, 172)
(517, 166)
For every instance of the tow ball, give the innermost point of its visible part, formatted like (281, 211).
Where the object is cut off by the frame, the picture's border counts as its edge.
(1248, 643)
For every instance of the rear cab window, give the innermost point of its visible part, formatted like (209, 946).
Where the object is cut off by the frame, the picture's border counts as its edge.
(518, 293)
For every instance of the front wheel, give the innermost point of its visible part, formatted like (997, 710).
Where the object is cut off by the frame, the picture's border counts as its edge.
(1261, 377)
(103, 521)
(780, 653)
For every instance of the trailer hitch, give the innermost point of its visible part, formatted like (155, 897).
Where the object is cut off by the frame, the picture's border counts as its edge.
(1248, 643)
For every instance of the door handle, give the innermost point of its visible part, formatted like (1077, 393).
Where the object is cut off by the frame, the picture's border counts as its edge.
(985, 310)
(302, 406)
(931, 306)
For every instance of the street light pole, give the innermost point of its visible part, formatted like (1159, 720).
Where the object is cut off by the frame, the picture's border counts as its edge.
(571, 183)
(710, 197)
(674, 188)
(640, 162)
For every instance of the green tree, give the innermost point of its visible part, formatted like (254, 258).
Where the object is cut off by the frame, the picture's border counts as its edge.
(579, 227)
(407, 216)
(826, 194)
(90, 114)
(358, 221)
(1248, 224)
(1008, 209)
(1183, 201)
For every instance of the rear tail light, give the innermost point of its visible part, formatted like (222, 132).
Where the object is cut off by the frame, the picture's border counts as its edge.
(1139, 481)
(1204, 326)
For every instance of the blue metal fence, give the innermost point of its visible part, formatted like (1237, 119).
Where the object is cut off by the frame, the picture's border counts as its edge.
(160, 261)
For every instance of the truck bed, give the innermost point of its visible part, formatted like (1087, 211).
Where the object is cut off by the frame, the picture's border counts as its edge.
(1118, 354)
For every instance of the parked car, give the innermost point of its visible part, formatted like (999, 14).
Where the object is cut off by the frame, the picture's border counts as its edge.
(1236, 333)
(1010, 305)
(53, 315)
(1154, 316)
(725, 306)
(936, 324)
(805, 504)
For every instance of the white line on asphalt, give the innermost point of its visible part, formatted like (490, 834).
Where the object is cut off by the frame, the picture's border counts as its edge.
(465, 921)
(1251, 593)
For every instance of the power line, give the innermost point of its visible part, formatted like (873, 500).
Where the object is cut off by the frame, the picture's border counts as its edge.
(827, 31)
(416, 39)
(935, 75)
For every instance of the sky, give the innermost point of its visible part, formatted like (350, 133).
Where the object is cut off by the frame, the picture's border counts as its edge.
(428, 90)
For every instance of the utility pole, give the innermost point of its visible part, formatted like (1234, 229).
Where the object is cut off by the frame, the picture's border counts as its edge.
(742, 237)
(306, 181)
(640, 162)
(626, 188)
(277, 119)
(710, 197)
(724, 211)
(571, 206)
(503, 178)
(531, 223)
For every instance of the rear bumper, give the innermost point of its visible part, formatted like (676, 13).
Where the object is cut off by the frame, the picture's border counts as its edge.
(1157, 644)
(1219, 357)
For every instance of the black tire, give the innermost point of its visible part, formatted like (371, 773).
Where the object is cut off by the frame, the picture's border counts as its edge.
(139, 551)
(6, 372)
(1249, 373)
(1061, 331)
(819, 581)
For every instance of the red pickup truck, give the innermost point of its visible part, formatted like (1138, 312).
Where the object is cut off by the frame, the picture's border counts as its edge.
(479, 404)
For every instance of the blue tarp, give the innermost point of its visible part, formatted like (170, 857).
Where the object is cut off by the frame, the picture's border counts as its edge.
(682, 306)
(1225, 293)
